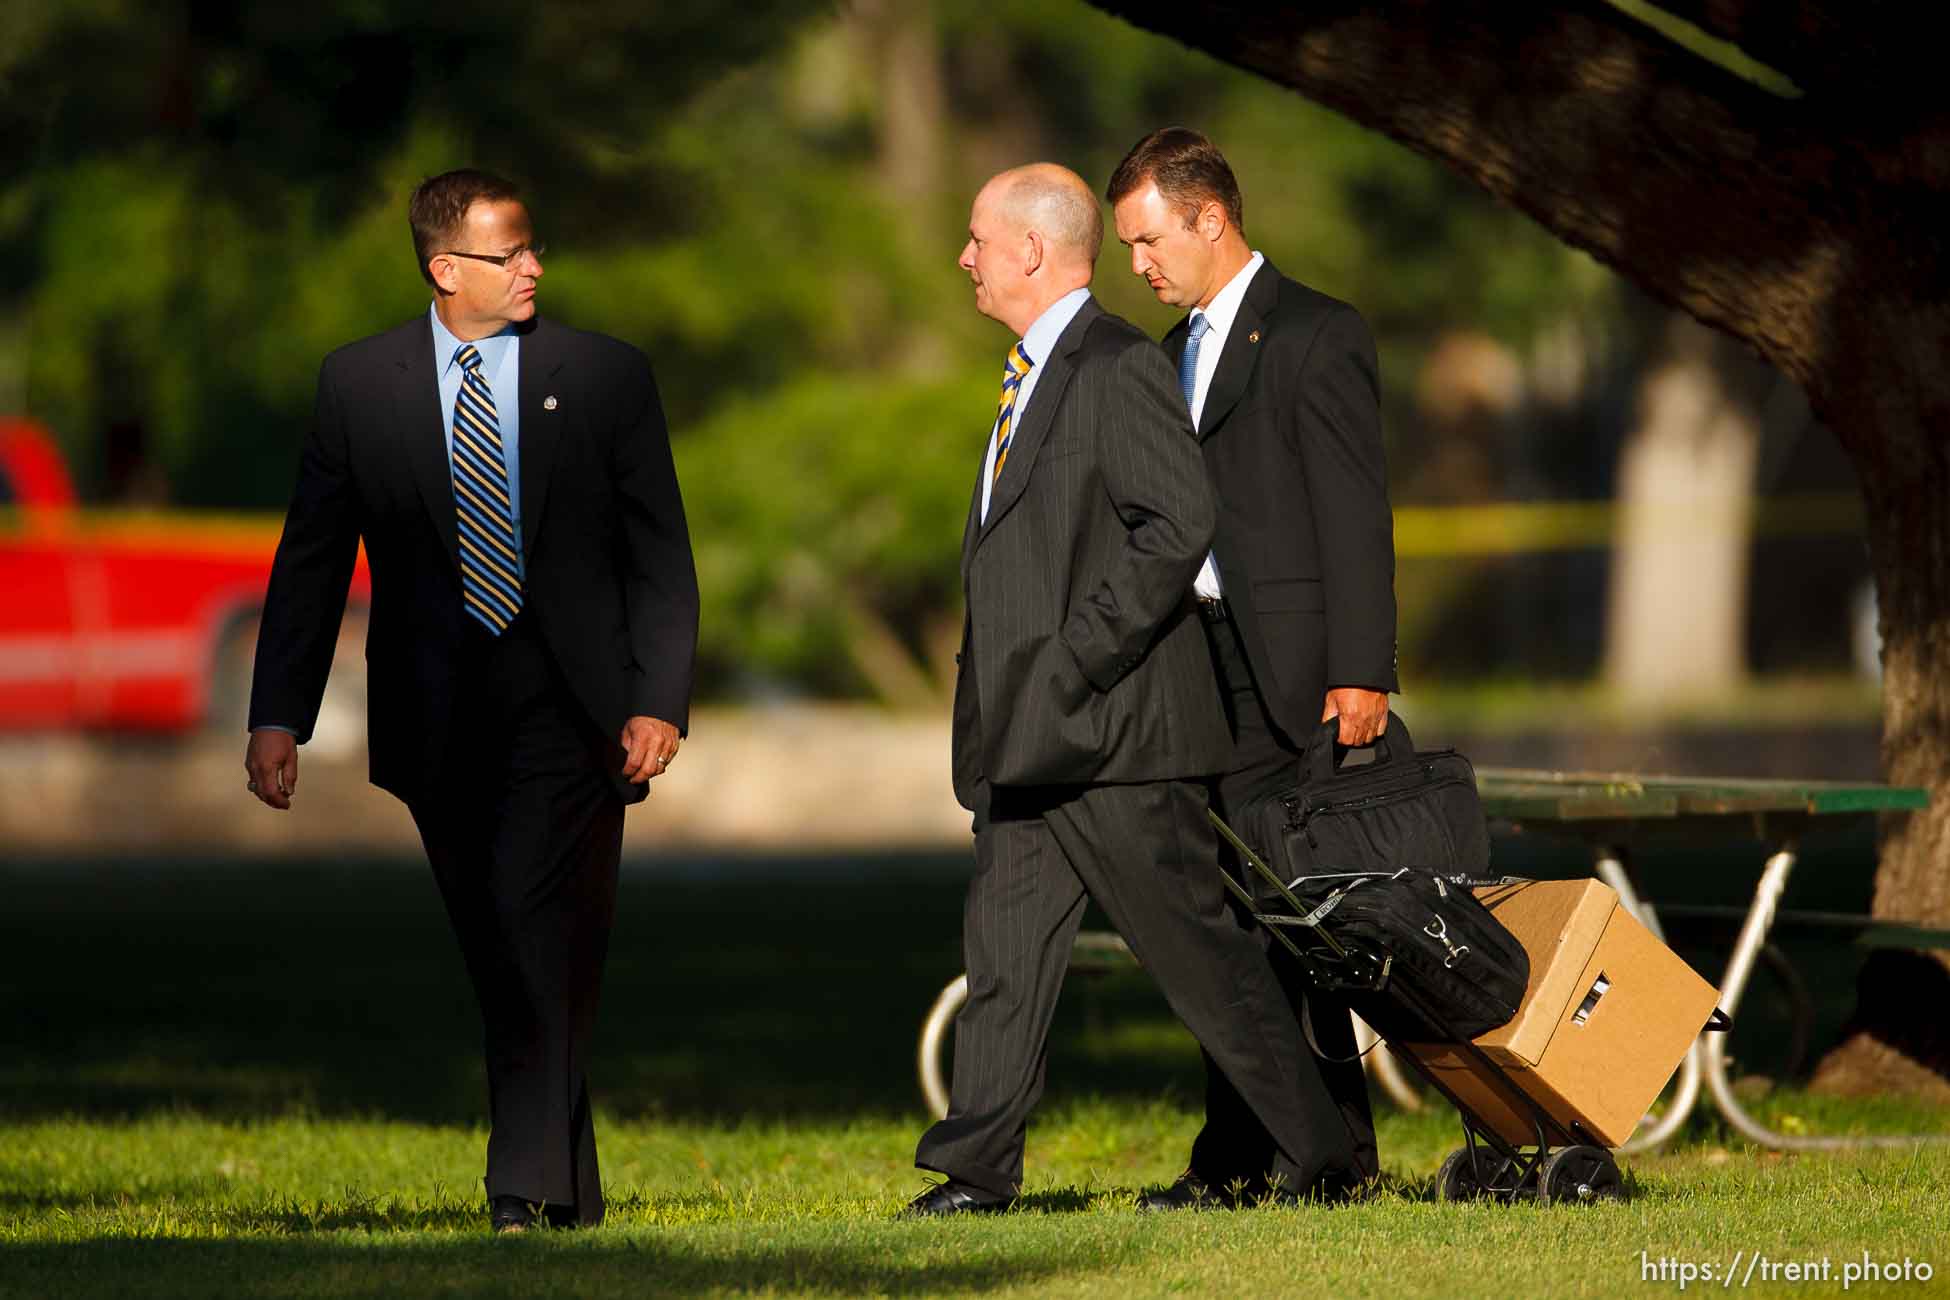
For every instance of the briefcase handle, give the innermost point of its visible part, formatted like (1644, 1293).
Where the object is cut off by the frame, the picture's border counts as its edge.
(1392, 745)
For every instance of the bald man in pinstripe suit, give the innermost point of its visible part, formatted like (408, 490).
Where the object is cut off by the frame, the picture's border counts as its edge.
(1086, 711)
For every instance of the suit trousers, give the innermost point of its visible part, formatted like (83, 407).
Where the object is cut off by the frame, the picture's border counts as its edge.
(1234, 1146)
(524, 832)
(1145, 853)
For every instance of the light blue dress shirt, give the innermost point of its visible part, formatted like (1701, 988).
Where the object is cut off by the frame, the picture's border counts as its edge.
(501, 363)
(501, 367)
(1038, 343)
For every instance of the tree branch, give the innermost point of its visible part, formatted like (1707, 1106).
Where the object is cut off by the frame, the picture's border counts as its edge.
(1826, 47)
(1751, 212)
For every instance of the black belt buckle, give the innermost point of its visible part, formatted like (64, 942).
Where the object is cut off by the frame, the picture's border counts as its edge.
(1213, 609)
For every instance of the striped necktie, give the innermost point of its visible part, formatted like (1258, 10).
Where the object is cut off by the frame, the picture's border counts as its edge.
(1019, 364)
(1188, 363)
(490, 567)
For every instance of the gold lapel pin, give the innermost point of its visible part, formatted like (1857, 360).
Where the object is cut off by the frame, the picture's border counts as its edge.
(1253, 337)
(549, 403)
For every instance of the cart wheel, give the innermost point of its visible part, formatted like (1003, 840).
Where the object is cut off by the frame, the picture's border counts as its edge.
(1578, 1176)
(1458, 1179)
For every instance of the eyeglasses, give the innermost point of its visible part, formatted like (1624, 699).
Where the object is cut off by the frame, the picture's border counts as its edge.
(506, 261)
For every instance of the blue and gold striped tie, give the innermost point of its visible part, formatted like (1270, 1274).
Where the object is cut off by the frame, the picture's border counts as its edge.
(490, 570)
(1019, 364)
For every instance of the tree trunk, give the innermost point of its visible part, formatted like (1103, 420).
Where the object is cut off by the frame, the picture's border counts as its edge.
(899, 680)
(911, 122)
(1805, 216)
(13, 358)
(1899, 1038)
(1685, 522)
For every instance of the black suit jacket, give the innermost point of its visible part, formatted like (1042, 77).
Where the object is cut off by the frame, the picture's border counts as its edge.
(1082, 660)
(1291, 433)
(608, 577)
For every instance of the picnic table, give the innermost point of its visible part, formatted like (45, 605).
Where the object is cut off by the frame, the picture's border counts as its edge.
(1610, 813)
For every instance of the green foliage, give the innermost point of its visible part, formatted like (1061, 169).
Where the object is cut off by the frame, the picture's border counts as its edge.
(207, 199)
(201, 322)
(256, 100)
(828, 498)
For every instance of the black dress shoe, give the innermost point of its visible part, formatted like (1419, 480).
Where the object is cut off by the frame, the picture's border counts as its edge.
(1190, 1192)
(951, 1197)
(510, 1214)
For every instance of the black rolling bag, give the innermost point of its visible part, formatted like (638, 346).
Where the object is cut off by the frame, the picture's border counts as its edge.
(1371, 935)
(1413, 960)
(1466, 968)
(1369, 887)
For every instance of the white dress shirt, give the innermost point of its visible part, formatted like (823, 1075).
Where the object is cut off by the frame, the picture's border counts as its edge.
(1038, 343)
(1219, 315)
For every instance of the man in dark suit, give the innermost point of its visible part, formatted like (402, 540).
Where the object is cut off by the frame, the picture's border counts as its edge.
(1085, 709)
(532, 635)
(1297, 595)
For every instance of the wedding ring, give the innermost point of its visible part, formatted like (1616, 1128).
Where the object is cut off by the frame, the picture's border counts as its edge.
(663, 760)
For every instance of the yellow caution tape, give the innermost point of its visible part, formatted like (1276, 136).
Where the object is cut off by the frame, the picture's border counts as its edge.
(1498, 528)
(1526, 527)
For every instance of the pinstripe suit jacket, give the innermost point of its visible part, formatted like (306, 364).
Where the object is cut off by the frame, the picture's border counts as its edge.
(1082, 659)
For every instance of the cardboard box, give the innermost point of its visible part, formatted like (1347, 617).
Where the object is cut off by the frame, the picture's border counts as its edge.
(1608, 1015)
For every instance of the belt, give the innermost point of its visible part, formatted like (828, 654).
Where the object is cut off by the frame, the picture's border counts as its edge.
(1213, 609)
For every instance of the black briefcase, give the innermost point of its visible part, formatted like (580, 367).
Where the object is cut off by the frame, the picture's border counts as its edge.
(1406, 808)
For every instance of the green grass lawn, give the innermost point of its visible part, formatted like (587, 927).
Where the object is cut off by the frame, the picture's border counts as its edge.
(261, 1078)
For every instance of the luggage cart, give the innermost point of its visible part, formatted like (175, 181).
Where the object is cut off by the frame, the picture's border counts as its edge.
(1562, 1163)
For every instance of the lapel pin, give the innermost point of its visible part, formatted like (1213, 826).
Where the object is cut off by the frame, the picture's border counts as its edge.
(1253, 337)
(549, 403)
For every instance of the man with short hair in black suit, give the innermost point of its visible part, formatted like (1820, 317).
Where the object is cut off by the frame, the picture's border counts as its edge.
(532, 636)
(1297, 595)
(1086, 716)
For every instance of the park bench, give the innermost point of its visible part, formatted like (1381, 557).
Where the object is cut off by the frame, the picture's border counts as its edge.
(1612, 813)
(1863, 931)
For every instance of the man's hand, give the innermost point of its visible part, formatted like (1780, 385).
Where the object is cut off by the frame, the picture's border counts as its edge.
(1363, 714)
(649, 746)
(271, 764)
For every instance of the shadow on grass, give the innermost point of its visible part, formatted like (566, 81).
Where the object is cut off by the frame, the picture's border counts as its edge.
(557, 1264)
(777, 988)
(351, 1213)
(787, 988)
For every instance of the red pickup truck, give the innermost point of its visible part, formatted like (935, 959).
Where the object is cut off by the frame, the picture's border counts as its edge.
(134, 620)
